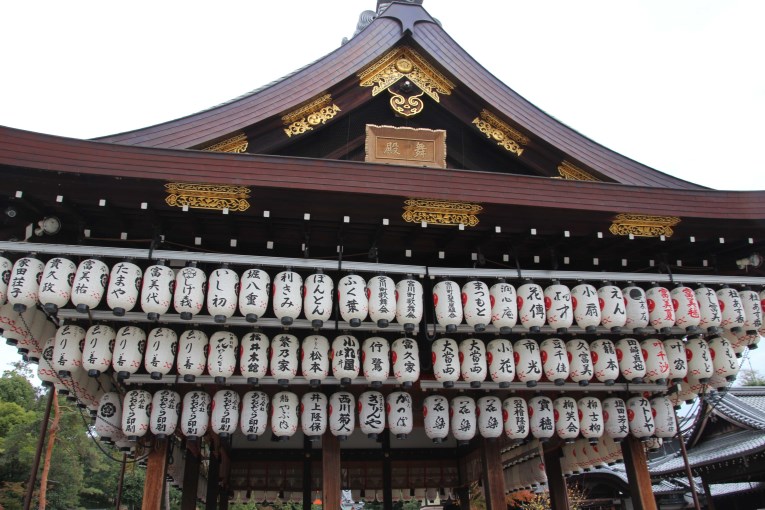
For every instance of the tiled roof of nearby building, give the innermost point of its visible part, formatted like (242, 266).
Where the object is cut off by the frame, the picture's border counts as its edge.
(719, 449)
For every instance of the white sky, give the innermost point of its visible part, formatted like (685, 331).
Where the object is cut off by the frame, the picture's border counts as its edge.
(678, 85)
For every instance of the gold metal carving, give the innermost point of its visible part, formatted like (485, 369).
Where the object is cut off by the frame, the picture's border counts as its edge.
(207, 196)
(441, 212)
(571, 172)
(506, 137)
(643, 225)
(308, 116)
(237, 143)
(405, 62)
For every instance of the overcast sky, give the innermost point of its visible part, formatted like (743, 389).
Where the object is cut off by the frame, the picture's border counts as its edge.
(678, 85)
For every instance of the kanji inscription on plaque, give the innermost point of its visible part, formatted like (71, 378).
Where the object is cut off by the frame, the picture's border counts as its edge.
(408, 146)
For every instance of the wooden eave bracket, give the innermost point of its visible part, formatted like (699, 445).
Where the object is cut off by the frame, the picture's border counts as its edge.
(407, 16)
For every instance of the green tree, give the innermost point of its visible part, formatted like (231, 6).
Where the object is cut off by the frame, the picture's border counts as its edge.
(751, 377)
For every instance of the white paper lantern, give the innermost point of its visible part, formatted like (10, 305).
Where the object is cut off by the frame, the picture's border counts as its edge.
(446, 298)
(372, 413)
(640, 417)
(317, 299)
(554, 360)
(189, 297)
(663, 417)
(124, 287)
(579, 361)
(24, 283)
(435, 412)
(699, 359)
(67, 351)
(136, 407)
(558, 307)
(709, 308)
(463, 419)
(313, 414)
(157, 291)
(284, 358)
(341, 414)
(504, 306)
(446, 365)
(254, 419)
(636, 307)
(225, 412)
(688, 393)
(631, 362)
(613, 310)
(590, 413)
(528, 361)
(566, 414)
(253, 294)
(45, 370)
(409, 303)
(541, 418)
(222, 292)
(375, 357)
(5, 276)
(731, 309)
(499, 356)
(195, 414)
(687, 314)
(531, 307)
(490, 417)
(89, 284)
(476, 305)
(315, 354)
(165, 408)
(656, 363)
(253, 356)
(109, 416)
(584, 297)
(398, 408)
(221, 356)
(750, 301)
(352, 299)
(97, 349)
(192, 354)
(345, 358)
(515, 415)
(661, 311)
(42, 330)
(381, 295)
(161, 346)
(405, 360)
(723, 357)
(19, 328)
(615, 418)
(472, 355)
(676, 359)
(761, 331)
(56, 283)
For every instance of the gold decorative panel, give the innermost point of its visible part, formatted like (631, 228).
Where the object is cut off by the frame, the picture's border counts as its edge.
(571, 172)
(506, 137)
(405, 62)
(643, 225)
(207, 196)
(405, 145)
(441, 212)
(237, 143)
(310, 115)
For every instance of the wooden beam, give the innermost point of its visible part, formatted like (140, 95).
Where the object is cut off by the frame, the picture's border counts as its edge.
(463, 493)
(307, 477)
(637, 473)
(190, 481)
(493, 475)
(156, 466)
(330, 472)
(387, 474)
(707, 493)
(213, 482)
(555, 481)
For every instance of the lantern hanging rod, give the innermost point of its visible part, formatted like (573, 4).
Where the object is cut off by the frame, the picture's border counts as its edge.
(369, 267)
(549, 387)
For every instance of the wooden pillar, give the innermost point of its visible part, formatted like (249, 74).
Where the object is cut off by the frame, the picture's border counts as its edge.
(330, 472)
(493, 475)
(387, 474)
(223, 500)
(637, 474)
(464, 494)
(556, 482)
(707, 493)
(156, 465)
(190, 481)
(213, 482)
(307, 477)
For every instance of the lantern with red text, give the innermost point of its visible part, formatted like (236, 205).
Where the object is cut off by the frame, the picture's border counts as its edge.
(124, 287)
(161, 346)
(222, 291)
(590, 413)
(409, 303)
(128, 351)
(631, 361)
(42, 329)
(157, 291)
(463, 419)
(656, 363)
(446, 366)
(472, 355)
(56, 284)
(613, 311)
(405, 358)
(579, 361)
(225, 412)
(558, 307)
(109, 416)
(14, 324)
(541, 418)
(98, 348)
(317, 298)
(528, 361)
(195, 414)
(531, 306)
(372, 413)
(342, 414)
(677, 359)
(253, 294)
(381, 295)
(699, 359)
(636, 308)
(435, 412)
(375, 358)
(661, 311)
(352, 299)
(615, 418)
(640, 417)
(221, 355)
(499, 355)
(5, 275)
(490, 417)
(663, 417)
(192, 354)
(731, 309)
(566, 416)
(515, 415)
(313, 414)
(24, 283)
(504, 306)
(254, 419)
(398, 408)
(687, 314)
(136, 407)
(584, 298)
(446, 298)
(67, 351)
(165, 407)
(189, 297)
(345, 358)
(315, 352)
(476, 305)
(723, 357)
(554, 360)
(284, 358)
(89, 284)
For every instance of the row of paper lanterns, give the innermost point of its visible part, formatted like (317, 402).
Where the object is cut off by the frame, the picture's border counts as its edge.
(157, 288)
